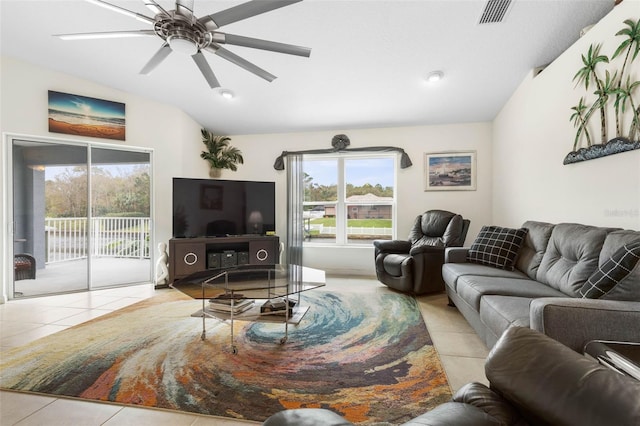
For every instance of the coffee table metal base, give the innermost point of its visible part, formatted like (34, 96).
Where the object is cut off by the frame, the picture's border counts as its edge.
(252, 315)
(228, 286)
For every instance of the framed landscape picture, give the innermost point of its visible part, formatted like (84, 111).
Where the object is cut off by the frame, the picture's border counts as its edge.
(84, 116)
(450, 171)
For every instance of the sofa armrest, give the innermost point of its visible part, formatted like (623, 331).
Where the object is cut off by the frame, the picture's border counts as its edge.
(392, 246)
(454, 413)
(439, 250)
(575, 322)
(474, 404)
(549, 384)
(456, 254)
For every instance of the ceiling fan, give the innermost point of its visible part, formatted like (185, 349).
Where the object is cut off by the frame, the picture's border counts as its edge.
(181, 31)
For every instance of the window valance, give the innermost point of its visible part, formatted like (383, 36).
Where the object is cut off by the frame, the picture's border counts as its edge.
(339, 143)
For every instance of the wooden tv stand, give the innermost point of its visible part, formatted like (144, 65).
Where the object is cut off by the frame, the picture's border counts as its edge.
(189, 255)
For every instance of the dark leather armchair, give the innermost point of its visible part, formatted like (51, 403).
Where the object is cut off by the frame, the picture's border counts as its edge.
(414, 266)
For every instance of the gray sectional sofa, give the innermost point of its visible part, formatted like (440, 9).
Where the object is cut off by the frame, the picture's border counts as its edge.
(545, 291)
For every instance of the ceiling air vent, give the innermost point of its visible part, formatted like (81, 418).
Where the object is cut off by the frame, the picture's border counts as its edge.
(494, 11)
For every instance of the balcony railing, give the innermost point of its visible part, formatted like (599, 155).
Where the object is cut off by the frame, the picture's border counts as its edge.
(67, 238)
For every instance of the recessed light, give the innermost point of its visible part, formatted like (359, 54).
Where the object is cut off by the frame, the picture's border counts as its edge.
(434, 76)
(227, 94)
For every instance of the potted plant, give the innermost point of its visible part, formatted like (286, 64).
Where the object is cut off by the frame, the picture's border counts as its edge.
(219, 153)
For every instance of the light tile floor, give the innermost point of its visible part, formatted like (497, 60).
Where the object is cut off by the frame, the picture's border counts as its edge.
(25, 320)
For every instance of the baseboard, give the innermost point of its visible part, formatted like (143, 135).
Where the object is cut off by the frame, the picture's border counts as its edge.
(361, 273)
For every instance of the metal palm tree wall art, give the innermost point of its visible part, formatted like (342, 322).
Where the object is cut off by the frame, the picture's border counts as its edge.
(614, 90)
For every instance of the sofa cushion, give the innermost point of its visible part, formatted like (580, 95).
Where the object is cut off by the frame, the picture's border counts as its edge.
(621, 270)
(497, 246)
(455, 413)
(500, 312)
(627, 289)
(474, 404)
(436, 228)
(479, 395)
(571, 256)
(533, 247)
(472, 288)
(615, 240)
(452, 271)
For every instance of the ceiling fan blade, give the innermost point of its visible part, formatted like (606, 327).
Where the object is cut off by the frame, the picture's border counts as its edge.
(107, 34)
(153, 6)
(257, 43)
(123, 11)
(206, 70)
(244, 11)
(242, 63)
(155, 60)
(185, 8)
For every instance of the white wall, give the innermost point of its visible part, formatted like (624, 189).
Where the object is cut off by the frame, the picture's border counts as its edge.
(260, 151)
(173, 136)
(532, 134)
(175, 140)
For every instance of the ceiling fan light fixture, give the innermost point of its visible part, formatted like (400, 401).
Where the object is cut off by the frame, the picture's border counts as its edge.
(434, 76)
(184, 45)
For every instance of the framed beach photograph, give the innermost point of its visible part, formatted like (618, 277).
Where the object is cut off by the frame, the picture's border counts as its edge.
(450, 171)
(84, 116)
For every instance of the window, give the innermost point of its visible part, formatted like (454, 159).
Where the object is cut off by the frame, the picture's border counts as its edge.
(349, 199)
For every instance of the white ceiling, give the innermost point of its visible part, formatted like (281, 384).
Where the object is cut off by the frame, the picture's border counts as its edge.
(366, 69)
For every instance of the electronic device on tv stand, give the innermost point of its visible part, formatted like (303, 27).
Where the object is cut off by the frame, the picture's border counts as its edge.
(221, 208)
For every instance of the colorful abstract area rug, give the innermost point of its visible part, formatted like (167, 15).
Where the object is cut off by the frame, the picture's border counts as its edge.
(367, 357)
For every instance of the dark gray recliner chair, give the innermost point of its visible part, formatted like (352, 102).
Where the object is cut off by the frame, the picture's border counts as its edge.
(415, 266)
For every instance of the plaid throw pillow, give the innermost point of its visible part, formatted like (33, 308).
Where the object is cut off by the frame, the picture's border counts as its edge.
(612, 271)
(497, 247)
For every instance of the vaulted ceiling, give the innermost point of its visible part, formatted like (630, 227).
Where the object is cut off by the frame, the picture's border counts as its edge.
(367, 67)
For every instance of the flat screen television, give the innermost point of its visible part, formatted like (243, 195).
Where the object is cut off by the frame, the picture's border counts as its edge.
(216, 208)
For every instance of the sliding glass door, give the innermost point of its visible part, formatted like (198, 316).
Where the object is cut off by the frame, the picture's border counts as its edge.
(81, 215)
(50, 216)
(120, 217)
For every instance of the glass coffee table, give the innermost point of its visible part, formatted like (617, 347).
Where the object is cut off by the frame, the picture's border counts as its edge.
(623, 357)
(262, 293)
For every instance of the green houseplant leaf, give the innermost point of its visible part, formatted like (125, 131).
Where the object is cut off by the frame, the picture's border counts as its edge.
(219, 154)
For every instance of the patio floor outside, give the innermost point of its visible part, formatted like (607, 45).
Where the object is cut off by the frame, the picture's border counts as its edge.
(71, 275)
